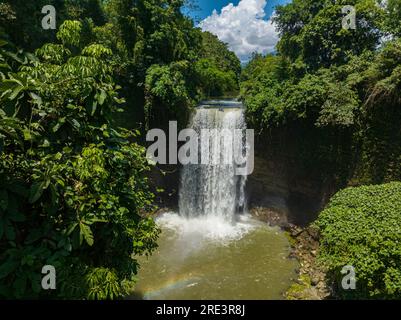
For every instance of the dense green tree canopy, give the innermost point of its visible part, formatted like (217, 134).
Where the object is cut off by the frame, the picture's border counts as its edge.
(312, 32)
(219, 54)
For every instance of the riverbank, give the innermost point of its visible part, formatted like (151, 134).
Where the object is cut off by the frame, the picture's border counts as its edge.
(311, 283)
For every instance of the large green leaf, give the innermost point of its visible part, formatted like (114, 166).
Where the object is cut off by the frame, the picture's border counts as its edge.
(15, 93)
(86, 233)
(101, 97)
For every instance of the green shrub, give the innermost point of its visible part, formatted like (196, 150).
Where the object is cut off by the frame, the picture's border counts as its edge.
(361, 227)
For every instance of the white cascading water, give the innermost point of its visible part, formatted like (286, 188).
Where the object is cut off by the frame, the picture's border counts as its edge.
(212, 196)
(214, 190)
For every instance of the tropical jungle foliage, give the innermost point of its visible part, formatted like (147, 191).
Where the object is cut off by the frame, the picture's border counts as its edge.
(73, 187)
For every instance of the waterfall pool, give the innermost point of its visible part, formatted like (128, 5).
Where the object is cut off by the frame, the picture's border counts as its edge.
(209, 258)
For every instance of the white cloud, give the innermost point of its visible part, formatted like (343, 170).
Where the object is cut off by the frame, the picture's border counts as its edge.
(243, 27)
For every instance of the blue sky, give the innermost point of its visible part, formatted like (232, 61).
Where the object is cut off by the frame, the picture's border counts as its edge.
(207, 6)
(244, 25)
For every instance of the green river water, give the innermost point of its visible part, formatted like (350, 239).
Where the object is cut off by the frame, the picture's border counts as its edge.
(252, 264)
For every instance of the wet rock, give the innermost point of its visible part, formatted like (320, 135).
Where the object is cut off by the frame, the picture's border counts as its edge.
(314, 233)
(294, 230)
(273, 217)
(314, 281)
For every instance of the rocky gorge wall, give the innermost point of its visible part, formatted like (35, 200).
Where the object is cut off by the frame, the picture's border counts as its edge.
(282, 182)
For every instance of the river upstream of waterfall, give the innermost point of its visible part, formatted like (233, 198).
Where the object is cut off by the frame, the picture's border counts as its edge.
(212, 249)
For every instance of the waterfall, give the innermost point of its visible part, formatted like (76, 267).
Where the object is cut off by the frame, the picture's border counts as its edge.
(214, 190)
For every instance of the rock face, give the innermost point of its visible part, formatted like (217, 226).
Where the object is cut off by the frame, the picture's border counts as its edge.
(283, 180)
(272, 186)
